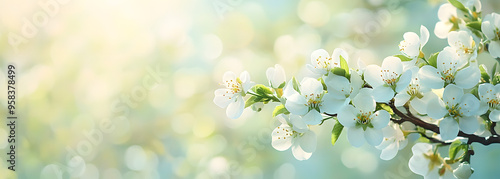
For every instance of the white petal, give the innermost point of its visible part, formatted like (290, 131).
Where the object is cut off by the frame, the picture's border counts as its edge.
(319, 55)
(336, 56)
(299, 153)
(313, 117)
(347, 116)
(392, 64)
(424, 36)
(380, 119)
(356, 84)
(436, 109)
(468, 125)
(402, 144)
(383, 94)
(297, 104)
(420, 105)
(430, 77)
(448, 128)
(311, 86)
(494, 49)
(337, 86)
(364, 101)
(446, 11)
(355, 136)
(285, 141)
(469, 105)
(410, 46)
(372, 76)
(228, 76)
(495, 115)
(279, 75)
(331, 105)
(235, 108)
(389, 152)
(468, 77)
(421, 148)
(441, 29)
(449, 56)
(288, 90)
(245, 81)
(452, 95)
(404, 81)
(221, 99)
(298, 123)
(308, 142)
(488, 28)
(284, 119)
(401, 98)
(484, 91)
(373, 136)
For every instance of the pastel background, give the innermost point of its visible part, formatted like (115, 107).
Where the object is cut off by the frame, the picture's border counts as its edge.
(129, 84)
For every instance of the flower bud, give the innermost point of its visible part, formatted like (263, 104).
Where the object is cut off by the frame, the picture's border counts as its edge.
(463, 171)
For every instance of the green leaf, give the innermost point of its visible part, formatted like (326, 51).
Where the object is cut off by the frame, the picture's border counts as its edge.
(484, 74)
(433, 60)
(474, 25)
(337, 129)
(338, 71)
(250, 101)
(262, 90)
(403, 58)
(280, 110)
(344, 65)
(282, 85)
(494, 70)
(455, 147)
(385, 107)
(423, 140)
(295, 84)
(495, 79)
(458, 5)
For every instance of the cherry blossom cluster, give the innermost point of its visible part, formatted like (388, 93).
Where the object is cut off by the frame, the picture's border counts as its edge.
(446, 98)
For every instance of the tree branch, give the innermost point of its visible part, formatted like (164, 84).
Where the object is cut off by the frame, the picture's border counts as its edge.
(434, 128)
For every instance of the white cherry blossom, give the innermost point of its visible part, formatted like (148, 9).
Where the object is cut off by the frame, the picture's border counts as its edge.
(448, 20)
(310, 102)
(293, 132)
(427, 163)
(491, 28)
(276, 76)
(341, 90)
(231, 96)
(463, 44)
(412, 44)
(363, 123)
(394, 140)
(322, 62)
(458, 111)
(387, 79)
(490, 100)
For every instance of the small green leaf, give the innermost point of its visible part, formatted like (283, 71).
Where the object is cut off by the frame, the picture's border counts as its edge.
(484, 74)
(494, 70)
(455, 147)
(385, 107)
(423, 140)
(250, 101)
(458, 5)
(474, 25)
(295, 84)
(337, 129)
(403, 58)
(280, 110)
(338, 71)
(262, 90)
(282, 85)
(344, 65)
(433, 60)
(495, 79)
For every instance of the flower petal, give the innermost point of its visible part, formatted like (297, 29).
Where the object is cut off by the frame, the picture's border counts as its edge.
(308, 141)
(452, 95)
(380, 119)
(336, 57)
(347, 116)
(313, 117)
(389, 152)
(372, 75)
(441, 29)
(355, 136)
(319, 55)
(331, 105)
(393, 64)
(235, 109)
(468, 77)
(296, 104)
(410, 46)
(356, 84)
(364, 101)
(495, 115)
(448, 128)
(338, 86)
(494, 49)
(221, 99)
(468, 125)
(446, 11)
(469, 105)
(488, 28)
(404, 81)
(311, 86)
(430, 77)
(228, 76)
(373, 136)
(298, 123)
(299, 153)
(436, 109)
(382, 94)
(401, 98)
(424, 36)
(280, 137)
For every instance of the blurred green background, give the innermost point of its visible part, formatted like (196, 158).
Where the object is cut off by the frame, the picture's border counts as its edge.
(130, 84)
